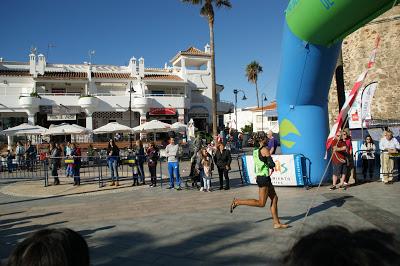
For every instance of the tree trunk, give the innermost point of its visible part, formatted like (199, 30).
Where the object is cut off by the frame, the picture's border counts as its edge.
(213, 83)
(258, 101)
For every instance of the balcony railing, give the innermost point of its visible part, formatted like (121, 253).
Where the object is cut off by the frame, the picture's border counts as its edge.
(164, 95)
(57, 94)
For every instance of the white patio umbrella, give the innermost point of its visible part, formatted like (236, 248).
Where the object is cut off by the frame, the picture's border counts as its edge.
(154, 126)
(67, 129)
(112, 127)
(24, 129)
(179, 127)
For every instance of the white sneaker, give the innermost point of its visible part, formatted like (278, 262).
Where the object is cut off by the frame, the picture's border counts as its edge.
(201, 189)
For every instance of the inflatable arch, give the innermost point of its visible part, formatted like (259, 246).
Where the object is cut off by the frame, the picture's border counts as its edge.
(313, 33)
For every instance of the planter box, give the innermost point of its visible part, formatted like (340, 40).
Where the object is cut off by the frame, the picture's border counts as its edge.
(88, 102)
(29, 101)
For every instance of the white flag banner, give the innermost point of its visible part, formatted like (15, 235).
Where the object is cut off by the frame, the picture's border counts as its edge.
(367, 100)
(361, 110)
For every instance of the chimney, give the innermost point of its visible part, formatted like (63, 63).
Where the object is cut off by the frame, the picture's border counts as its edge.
(41, 64)
(207, 48)
(32, 64)
(133, 67)
(141, 67)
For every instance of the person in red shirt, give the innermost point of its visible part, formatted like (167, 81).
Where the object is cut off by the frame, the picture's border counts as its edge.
(339, 161)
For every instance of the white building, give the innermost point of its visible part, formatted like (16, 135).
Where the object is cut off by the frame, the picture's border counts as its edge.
(93, 95)
(263, 118)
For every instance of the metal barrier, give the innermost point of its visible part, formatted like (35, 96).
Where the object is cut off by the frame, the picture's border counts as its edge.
(92, 169)
(23, 168)
(358, 167)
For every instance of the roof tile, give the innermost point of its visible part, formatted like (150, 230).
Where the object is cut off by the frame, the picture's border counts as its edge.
(63, 75)
(162, 77)
(111, 75)
(14, 73)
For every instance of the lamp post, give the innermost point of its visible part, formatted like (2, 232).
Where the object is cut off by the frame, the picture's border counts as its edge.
(264, 99)
(130, 112)
(244, 98)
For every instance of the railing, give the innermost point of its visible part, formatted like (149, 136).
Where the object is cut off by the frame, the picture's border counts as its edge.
(358, 164)
(124, 93)
(92, 169)
(165, 95)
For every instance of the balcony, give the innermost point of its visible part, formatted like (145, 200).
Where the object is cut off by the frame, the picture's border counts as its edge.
(168, 100)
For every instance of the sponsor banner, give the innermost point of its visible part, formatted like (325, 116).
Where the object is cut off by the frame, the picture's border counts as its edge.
(60, 117)
(288, 170)
(162, 111)
(361, 108)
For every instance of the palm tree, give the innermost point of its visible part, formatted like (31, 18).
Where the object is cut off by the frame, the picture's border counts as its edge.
(252, 71)
(207, 11)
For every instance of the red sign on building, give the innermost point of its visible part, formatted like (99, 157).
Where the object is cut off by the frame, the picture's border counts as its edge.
(162, 111)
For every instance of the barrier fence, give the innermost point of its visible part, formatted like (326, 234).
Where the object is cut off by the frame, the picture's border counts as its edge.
(92, 169)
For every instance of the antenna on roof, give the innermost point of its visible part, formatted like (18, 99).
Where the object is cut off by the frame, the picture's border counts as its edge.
(91, 53)
(33, 50)
(49, 45)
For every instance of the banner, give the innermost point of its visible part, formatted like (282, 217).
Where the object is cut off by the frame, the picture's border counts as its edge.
(288, 170)
(361, 109)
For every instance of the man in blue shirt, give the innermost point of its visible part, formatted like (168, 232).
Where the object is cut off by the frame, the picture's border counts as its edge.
(272, 142)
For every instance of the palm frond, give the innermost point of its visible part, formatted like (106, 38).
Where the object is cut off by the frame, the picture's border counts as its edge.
(223, 3)
(193, 2)
(207, 10)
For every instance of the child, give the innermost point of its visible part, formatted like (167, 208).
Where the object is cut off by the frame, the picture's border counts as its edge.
(206, 162)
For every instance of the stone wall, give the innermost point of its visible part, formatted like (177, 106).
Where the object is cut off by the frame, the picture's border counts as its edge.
(356, 50)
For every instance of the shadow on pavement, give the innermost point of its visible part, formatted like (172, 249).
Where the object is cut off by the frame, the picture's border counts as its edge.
(334, 202)
(12, 232)
(221, 245)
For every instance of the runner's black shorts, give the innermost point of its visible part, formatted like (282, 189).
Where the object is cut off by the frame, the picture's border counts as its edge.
(264, 181)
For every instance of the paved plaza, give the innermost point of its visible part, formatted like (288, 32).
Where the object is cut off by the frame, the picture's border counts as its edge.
(156, 226)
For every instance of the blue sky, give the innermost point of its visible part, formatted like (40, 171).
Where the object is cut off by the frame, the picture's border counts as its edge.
(155, 30)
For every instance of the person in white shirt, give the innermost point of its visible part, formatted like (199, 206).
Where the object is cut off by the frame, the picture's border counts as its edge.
(368, 158)
(388, 147)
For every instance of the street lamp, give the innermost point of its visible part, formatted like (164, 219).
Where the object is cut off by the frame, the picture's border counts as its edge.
(262, 110)
(130, 112)
(244, 98)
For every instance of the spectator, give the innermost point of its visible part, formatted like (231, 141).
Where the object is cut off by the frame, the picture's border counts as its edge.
(31, 154)
(67, 153)
(55, 158)
(20, 151)
(330, 246)
(77, 155)
(112, 160)
(140, 158)
(272, 142)
(388, 146)
(339, 161)
(171, 151)
(206, 166)
(350, 158)
(223, 160)
(152, 158)
(368, 158)
(48, 247)
(10, 158)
